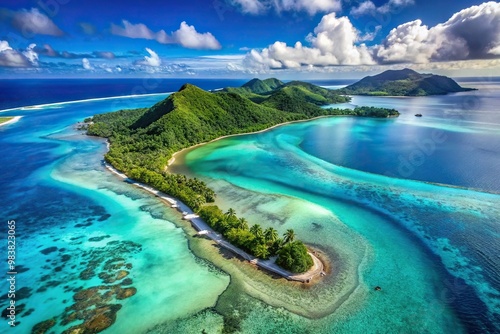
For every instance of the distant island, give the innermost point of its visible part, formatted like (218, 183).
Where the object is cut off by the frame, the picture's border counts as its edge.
(143, 140)
(271, 90)
(405, 82)
(9, 120)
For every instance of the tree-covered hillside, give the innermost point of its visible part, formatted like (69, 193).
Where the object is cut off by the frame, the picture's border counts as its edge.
(405, 82)
(260, 90)
(142, 141)
(148, 137)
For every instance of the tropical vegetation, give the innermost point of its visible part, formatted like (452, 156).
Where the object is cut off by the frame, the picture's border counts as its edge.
(405, 82)
(263, 243)
(143, 140)
(5, 119)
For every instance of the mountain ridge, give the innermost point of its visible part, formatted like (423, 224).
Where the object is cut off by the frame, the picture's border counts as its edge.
(405, 82)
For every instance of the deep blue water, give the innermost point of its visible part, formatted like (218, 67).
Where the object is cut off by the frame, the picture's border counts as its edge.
(372, 164)
(52, 183)
(21, 92)
(455, 142)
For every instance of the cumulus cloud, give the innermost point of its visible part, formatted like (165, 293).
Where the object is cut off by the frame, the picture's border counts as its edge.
(186, 35)
(152, 60)
(473, 33)
(332, 43)
(86, 64)
(369, 8)
(31, 55)
(33, 21)
(131, 30)
(13, 58)
(256, 7)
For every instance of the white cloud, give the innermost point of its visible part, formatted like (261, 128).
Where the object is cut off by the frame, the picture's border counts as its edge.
(310, 6)
(131, 30)
(473, 33)
(368, 7)
(406, 43)
(33, 22)
(31, 55)
(4, 46)
(12, 58)
(370, 36)
(333, 43)
(152, 60)
(256, 7)
(250, 6)
(394, 5)
(86, 64)
(186, 35)
(364, 8)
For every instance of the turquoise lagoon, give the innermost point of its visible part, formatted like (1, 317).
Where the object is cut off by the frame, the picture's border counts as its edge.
(409, 204)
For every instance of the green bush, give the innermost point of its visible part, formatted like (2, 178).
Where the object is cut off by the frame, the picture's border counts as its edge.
(294, 257)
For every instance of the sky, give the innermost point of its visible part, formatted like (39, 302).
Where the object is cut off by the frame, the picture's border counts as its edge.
(304, 39)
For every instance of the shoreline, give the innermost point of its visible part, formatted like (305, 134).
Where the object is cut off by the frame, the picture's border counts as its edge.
(11, 121)
(41, 106)
(172, 159)
(458, 187)
(204, 229)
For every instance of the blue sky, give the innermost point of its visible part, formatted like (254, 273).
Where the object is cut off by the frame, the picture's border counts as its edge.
(247, 38)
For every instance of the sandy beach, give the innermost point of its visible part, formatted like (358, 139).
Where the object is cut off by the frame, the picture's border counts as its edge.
(13, 120)
(203, 228)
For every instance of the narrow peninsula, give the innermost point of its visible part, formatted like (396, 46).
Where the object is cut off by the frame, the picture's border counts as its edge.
(9, 120)
(143, 140)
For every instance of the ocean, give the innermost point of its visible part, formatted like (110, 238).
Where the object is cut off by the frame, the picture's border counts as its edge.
(409, 204)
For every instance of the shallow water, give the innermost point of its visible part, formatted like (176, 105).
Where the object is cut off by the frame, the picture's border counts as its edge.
(433, 249)
(55, 187)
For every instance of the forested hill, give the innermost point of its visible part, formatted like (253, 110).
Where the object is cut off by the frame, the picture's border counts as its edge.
(405, 82)
(142, 141)
(258, 86)
(259, 90)
(148, 137)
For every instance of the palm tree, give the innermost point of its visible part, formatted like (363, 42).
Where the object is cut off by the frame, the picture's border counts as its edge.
(289, 236)
(230, 213)
(198, 202)
(271, 235)
(257, 231)
(261, 251)
(242, 224)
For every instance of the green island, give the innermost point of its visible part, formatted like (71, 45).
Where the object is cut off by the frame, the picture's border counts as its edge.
(5, 119)
(143, 140)
(405, 82)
